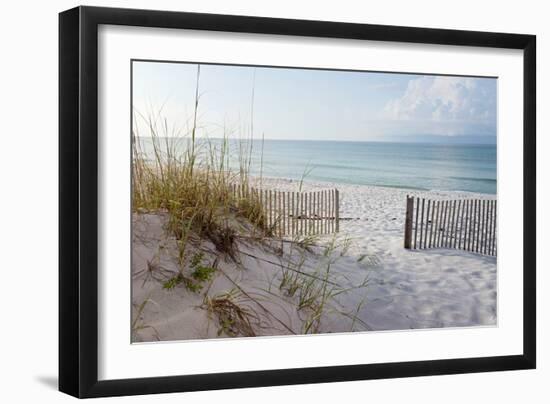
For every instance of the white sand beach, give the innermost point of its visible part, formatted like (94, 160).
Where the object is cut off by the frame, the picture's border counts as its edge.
(374, 283)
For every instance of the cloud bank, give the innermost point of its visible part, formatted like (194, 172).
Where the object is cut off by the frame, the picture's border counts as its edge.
(451, 106)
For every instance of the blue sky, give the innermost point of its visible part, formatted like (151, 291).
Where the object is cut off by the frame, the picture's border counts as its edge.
(315, 104)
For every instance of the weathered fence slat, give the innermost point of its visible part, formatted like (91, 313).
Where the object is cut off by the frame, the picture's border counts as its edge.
(469, 236)
(303, 213)
(486, 240)
(408, 222)
(482, 231)
(269, 210)
(416, 223)
(483, 224)
(439, 222)
(444, 228)
(472, 244)
(493, 230)
(427, 223)
(316, 213)
(490, 228)
(487, 227)
(336, 220)
(476, 225)
(432, 225)
(294, 212)
(461, 233)
(330, 202)
(421, 223)
(323, 212)
(465, 224)
(472, 225)
(457, 222)
(453, 225)
(326, 211)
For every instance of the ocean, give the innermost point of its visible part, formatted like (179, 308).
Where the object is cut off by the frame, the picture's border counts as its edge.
(420, 166)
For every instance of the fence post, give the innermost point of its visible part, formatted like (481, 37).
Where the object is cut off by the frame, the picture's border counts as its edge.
(408, 222)
(337, 209)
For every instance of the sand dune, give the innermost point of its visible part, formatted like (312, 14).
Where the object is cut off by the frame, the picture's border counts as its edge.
(380, 285)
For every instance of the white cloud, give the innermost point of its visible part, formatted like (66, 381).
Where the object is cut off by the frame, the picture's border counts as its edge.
(446, 106)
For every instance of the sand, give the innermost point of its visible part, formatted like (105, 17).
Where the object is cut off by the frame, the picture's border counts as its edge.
(380, 285)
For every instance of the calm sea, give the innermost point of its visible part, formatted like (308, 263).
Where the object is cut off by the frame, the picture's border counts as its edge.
(449, 167)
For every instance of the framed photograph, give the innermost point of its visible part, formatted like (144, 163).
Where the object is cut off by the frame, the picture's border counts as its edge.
(251, 201)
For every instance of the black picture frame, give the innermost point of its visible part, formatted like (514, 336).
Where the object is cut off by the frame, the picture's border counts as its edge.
(78, 200)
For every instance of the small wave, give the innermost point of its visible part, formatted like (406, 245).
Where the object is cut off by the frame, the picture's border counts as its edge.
(348, 181)
(489, 195)
(411, 187)
(475, 179)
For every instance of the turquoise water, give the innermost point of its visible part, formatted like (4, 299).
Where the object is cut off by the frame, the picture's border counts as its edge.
(449, 167)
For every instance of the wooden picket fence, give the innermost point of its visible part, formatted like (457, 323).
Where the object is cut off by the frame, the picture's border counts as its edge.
(291, 213)
(465, 224)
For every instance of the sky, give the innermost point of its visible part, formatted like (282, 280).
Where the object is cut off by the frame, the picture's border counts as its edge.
(283, 103)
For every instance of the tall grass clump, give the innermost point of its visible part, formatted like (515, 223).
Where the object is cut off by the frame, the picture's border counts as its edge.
(191, 180)
(195, 188)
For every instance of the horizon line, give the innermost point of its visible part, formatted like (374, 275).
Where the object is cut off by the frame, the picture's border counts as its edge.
(469, 138)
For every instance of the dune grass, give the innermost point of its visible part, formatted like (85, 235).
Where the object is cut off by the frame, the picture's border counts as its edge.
(233, 316)
(138, 324)
(191, 180)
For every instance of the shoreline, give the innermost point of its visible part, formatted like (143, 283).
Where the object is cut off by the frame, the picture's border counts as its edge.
(288, 184)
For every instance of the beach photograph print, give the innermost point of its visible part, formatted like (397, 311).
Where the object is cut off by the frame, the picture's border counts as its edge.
(271, 201)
